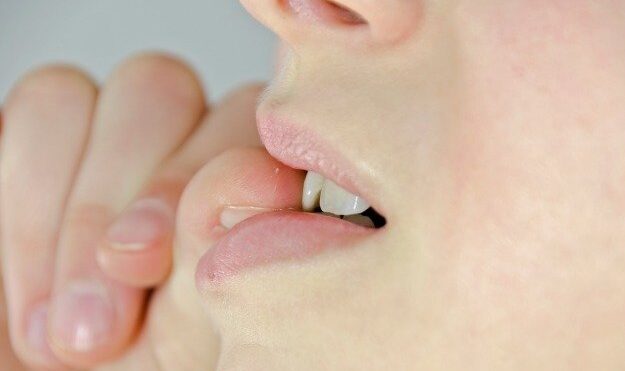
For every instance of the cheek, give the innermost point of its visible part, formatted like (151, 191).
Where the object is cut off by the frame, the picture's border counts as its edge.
(538, 119)
(564, 50)
(522, 202)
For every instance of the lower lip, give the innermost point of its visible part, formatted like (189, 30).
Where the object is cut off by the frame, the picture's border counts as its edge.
(275, 237)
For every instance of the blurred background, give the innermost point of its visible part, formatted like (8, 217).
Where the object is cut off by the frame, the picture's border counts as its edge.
(217, 37)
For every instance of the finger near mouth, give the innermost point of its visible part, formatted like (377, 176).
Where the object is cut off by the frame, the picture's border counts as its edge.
(271, 225)
(263, 236)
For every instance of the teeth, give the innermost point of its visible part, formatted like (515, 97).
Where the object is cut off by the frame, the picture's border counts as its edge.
(332, 199)
(312, 191)
(337, 200)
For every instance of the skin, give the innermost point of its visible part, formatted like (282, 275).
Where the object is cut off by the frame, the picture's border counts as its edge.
(503, 195)
(76, 158)
(503, 192)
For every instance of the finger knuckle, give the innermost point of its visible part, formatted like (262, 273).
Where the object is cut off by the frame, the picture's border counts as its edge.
(159, 73)
(50, 86)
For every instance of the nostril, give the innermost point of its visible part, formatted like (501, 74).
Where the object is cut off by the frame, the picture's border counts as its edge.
(325, 11)
(345, 15)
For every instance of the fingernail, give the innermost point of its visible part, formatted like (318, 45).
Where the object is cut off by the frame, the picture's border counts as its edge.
(37, 331)
(233, 215)
(83, 317)
(146, 221)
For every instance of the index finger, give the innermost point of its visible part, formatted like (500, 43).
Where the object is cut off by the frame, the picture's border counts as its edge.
(131, 255)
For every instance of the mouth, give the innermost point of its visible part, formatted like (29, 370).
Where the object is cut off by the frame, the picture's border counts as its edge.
(338, 209)
(334, 184)
(322, 195)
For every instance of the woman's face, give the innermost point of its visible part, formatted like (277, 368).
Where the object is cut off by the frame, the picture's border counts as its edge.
(491, 135)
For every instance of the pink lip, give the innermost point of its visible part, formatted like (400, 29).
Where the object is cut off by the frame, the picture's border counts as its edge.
(275, 237)
(285, 235)
(303, 149)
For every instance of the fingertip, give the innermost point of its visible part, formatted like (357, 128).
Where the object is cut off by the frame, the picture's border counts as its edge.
(145, 223)
(137, 247)
(238, 177)
(59, 83)
(161, 75)
(30, 341)
(144, 268)
(93, 321)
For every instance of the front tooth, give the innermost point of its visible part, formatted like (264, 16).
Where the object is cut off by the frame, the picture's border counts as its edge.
(312, 190)
(337, 200)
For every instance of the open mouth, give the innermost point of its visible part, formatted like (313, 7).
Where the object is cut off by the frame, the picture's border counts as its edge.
(331, 213)
(321, 195)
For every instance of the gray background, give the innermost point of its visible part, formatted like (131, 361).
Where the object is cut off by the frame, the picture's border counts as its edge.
(217, 37)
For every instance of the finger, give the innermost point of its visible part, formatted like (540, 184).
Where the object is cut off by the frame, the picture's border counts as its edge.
(180, 334)
(9, 360)
(47, 120)
(148, 107)
(137, 249)
(240, 178)
(7, 355)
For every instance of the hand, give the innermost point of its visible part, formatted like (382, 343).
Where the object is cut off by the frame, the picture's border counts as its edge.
(7, 356)
(90, 186)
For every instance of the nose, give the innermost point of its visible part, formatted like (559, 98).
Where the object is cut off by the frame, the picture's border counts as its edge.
(370, 21)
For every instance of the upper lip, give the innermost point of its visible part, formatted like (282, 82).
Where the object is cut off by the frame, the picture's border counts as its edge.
(301, 148)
